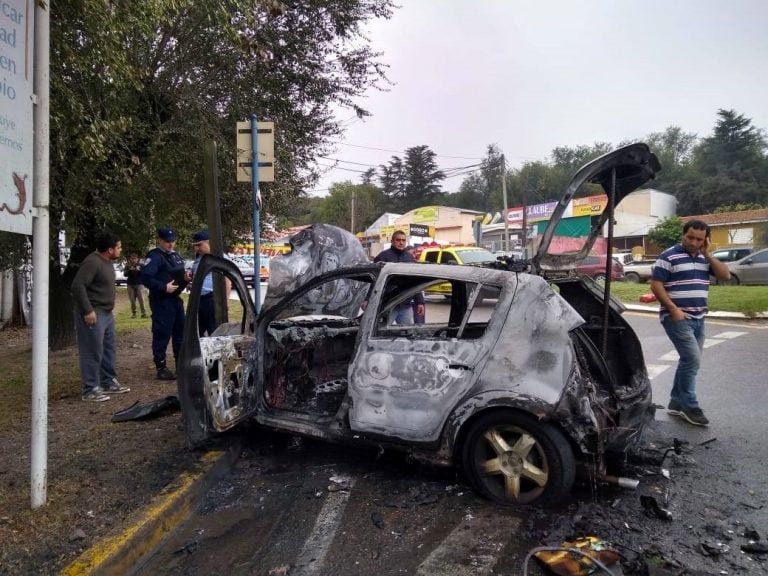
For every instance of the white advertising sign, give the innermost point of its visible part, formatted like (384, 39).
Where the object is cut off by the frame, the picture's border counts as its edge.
(16, 126)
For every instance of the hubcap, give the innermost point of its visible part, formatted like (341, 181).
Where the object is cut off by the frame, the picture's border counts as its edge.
(513, 463)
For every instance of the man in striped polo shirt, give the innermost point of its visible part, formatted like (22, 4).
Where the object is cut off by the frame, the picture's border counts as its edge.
(680, 282)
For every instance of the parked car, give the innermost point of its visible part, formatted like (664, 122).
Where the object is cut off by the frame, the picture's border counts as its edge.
(733, 253)
(470, 255)
(515, 393)
(638, 271)
(120, 279)
(752, 269)
(594, 267)
(624, 258)
(246, 269)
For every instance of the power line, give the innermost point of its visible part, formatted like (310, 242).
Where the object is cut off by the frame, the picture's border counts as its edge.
(402, 151)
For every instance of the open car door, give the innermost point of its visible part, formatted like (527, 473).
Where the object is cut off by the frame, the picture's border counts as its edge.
(216, 379)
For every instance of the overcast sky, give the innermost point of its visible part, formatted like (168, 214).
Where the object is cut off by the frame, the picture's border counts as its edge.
(533, 75)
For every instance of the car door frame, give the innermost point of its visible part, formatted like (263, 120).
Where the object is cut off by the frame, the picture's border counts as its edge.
(376, 386)
(199, 397)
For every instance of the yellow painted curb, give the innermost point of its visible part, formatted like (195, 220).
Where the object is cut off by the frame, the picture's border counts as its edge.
(119, 554)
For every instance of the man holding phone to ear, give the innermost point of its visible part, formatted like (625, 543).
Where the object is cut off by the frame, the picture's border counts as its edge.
(680, 282)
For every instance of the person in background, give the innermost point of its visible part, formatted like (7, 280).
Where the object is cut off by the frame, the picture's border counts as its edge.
(680, 282)
(404, 313)
(132, 271)
(206, 316)
(164, 276)
(93, 290)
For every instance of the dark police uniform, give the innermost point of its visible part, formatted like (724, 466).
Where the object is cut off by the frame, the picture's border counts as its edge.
(160, 267)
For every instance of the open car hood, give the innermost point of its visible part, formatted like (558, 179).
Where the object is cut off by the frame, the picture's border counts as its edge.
(315, 250)
(635, 165)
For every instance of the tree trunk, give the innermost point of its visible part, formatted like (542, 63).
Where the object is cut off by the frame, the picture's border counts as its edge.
(61, 326)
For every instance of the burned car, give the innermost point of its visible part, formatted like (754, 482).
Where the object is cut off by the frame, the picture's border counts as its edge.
(516, 391)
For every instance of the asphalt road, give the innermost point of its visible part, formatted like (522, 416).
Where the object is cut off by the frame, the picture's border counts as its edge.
(295, 506)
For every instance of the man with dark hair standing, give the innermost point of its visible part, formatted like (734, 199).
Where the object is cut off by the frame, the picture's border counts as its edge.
(405, 312)
(93, 290)
(164, 276)
(132, 271)
(680, 282)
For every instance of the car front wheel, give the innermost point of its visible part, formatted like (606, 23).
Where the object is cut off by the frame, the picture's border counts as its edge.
(734, 281)
(632, 277)
(599, 277)
(513, 458)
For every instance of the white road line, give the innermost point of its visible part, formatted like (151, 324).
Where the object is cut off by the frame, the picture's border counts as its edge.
(655, 369)
(729, 335)
(473, 547)
(312, 556)
(673, 355)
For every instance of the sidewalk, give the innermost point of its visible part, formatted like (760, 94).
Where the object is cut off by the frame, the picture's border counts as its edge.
(718, 314)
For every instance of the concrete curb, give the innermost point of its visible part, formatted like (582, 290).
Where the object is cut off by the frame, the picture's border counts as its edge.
(148, 527)
(716, 314)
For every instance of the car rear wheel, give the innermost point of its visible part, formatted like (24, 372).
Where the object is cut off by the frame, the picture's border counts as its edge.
(632, 277)
(513, 458)
(600, 277)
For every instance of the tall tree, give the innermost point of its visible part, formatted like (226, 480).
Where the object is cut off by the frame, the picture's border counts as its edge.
(392, 180)
(422, 177)
(730, 166)
(674, 149)
(136, 88)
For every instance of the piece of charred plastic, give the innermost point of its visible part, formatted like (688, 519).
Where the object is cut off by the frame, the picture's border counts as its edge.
(653, 509)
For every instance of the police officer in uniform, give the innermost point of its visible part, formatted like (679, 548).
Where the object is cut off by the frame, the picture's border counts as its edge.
(164, 276)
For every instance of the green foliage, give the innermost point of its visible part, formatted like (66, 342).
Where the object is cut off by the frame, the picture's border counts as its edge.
(747, 300)
(413, 181)
(14, 249)
(737, 207)
(728, 167)
(667, 232)
(137, 88)
(336, 208)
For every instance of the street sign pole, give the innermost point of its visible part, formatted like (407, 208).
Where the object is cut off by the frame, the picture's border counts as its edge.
(256, 211)
(40, 257)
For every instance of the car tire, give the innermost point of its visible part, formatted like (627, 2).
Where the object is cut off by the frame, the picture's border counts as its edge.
(734, 281)
(600, 277)
(632, 277)
(531, 461)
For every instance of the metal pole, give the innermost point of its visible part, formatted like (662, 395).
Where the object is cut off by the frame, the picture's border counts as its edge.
(525, 218)
(256, 210)
(40, 257)
(506, 206)
(608, 263)
(352, 218)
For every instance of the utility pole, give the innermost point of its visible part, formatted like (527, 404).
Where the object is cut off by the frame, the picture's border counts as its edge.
(352, 218)
(504, 196)
(525, 218)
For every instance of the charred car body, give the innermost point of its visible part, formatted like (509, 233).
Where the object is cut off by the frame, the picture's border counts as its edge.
(516, 391)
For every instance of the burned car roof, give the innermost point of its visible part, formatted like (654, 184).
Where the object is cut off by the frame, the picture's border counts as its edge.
(316, 249)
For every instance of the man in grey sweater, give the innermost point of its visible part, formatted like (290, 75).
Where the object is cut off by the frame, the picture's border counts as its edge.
(94, 292)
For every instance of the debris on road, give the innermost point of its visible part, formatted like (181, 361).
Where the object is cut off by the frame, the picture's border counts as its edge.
(147, 410)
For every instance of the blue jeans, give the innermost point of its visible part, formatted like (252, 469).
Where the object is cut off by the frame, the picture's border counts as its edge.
(96, 347)
(687, 336)
(404, 314)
